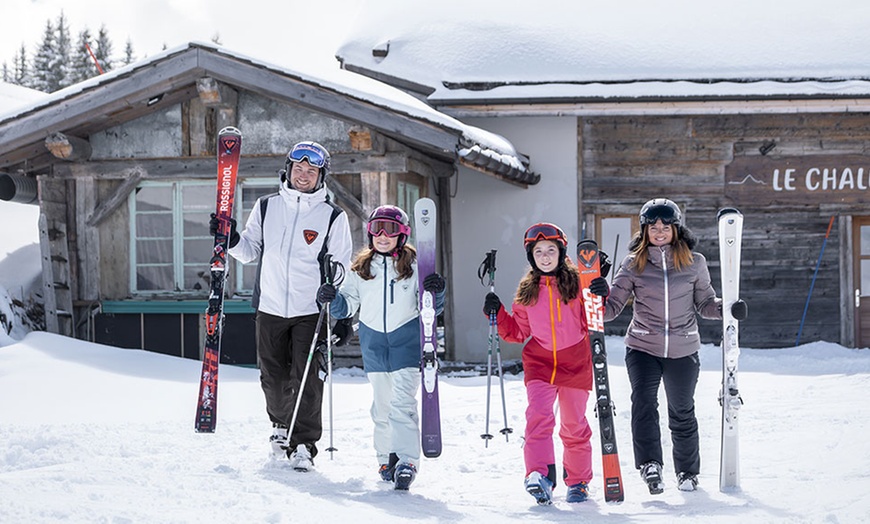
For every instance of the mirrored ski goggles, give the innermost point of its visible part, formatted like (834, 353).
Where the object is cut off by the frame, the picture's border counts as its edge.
(387, 227)
(664, 213)
(544, 232)
(310, 154)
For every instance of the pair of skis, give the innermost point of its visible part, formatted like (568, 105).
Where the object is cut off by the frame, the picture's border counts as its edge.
(228, 153)
(730, 239)
(430, 416)
(589, 266)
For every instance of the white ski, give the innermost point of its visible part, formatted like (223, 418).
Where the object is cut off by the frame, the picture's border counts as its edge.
(730, 238)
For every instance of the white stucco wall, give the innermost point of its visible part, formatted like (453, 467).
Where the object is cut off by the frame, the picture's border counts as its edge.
(489, 213)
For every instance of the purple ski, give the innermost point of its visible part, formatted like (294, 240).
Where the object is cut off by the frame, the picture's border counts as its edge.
(430, 419)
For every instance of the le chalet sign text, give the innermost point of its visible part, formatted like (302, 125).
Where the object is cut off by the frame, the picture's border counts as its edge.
(799, 180)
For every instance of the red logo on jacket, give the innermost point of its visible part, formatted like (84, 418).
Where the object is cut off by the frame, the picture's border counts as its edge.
(310, 235)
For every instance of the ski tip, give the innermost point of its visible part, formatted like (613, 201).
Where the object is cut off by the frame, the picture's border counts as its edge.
(726, 211)
(230, 130)
(587, 243)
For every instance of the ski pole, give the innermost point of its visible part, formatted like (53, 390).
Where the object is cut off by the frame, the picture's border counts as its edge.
(483, 273)
(334, 275)
(317, 327)
(493, 321)
(329, 266)
(615, 258)
(813, 283)
(331, 447)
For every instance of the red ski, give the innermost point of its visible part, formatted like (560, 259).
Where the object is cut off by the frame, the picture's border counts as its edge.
(588, 264)
(228, 149)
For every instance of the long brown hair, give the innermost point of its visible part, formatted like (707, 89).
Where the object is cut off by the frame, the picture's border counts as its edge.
(362, 262)
(681, 248)
(567, 281)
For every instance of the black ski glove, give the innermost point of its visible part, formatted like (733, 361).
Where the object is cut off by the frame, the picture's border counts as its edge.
(326, 294)
(214, 224)
(343, 330)
(604, 264)
(491, 304)
(599, 287)
(321, 351)
(434, 283)
(739, 310)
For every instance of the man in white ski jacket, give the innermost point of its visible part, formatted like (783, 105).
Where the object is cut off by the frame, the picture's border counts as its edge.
(298, 226)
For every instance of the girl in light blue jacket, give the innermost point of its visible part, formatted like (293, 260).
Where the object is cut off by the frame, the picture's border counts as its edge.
(382, 285)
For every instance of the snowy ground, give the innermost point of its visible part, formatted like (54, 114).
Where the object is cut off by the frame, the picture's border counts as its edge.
(90, 433)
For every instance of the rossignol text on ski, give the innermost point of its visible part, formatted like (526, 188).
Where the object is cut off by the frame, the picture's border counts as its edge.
(229, 144)
(730, 238)
(588, 264)
(430, 417)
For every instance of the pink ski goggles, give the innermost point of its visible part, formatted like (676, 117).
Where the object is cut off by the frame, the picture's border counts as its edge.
(387, 227)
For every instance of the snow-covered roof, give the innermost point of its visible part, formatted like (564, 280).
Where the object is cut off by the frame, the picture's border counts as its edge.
(462, 51)
(510, 163)
(13, 96)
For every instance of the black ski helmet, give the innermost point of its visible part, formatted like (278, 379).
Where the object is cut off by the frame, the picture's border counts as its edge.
(313, 153)
(661, 209)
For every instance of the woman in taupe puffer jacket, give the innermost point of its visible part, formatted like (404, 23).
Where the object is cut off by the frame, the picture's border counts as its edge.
(671, 287)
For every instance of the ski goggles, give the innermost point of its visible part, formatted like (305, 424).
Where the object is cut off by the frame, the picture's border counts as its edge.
(544, 231)
(387, 227)
(666, 214)
(311, 154)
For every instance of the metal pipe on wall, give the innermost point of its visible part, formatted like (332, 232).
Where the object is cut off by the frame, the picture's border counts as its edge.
(17, 188)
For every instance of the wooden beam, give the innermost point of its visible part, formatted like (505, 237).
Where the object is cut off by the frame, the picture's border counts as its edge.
(365, 140)
(204, 167)
(216, 94)
(118, 197)
(70, 148)
(347, 198)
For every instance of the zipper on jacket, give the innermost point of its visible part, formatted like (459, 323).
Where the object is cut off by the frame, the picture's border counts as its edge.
(552, 329)
(392, 291)
(290, 253)
(667, 303)
(385, 293)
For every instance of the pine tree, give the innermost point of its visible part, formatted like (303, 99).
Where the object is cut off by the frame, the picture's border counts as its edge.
(20, 70)
(42, 79)
(103, 49)
(82, 66)
(129, 58)
(6, 76)
(60, 65)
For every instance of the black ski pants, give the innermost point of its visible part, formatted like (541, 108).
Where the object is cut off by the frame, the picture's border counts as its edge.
(680, 376)
(282, 350)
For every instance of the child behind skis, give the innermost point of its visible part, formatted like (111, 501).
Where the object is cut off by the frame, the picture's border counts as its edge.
(548, 312)
(382, 284)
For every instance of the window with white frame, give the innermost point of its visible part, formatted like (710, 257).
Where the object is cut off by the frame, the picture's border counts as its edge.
(170, 246)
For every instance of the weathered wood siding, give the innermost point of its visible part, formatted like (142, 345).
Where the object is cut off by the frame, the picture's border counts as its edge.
(628, 160)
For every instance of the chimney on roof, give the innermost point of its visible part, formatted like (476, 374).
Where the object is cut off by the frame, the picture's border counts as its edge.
(381, 50)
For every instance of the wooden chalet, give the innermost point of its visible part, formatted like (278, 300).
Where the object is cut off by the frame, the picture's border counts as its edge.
(123, 169)
(789, 150)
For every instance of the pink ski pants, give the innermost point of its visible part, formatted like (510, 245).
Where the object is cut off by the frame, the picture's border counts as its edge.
(538, 451)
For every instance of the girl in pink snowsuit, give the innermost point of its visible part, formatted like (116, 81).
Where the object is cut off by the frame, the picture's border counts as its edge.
(548, 314)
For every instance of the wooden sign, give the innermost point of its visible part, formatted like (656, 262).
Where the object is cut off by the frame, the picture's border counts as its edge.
(799, 180)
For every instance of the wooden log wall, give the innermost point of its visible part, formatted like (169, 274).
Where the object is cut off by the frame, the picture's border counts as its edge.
(628, 160)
